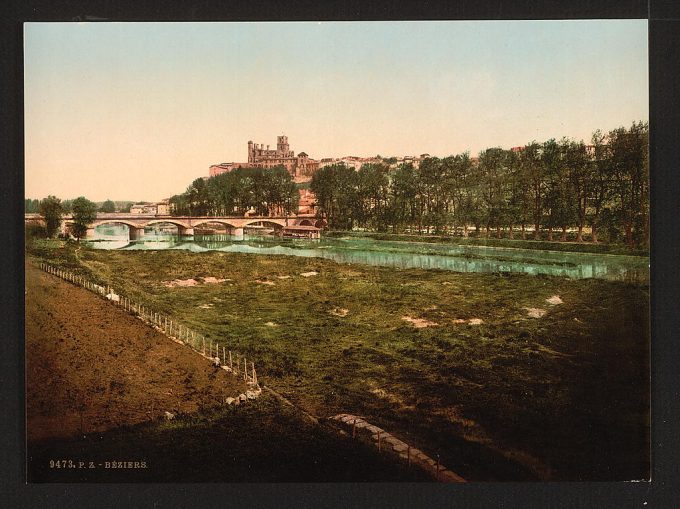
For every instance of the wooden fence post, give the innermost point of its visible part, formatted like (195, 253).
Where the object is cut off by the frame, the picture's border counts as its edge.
(231, 364)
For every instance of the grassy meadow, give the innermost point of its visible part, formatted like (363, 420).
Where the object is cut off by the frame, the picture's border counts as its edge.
(495, 393)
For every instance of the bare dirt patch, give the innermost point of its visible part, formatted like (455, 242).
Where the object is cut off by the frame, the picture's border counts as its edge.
(91, 367)
(419, 323)
(471, 321)
(180, 282)
(214, 280)
(194, 281)
(309, 274)
(265, 282)
(342, 312)
(535, 312)
(554, 300)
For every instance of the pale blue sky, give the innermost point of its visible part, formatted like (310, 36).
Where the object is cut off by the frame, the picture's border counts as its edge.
(138, 110)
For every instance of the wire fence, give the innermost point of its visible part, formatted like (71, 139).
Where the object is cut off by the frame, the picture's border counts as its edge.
(219, 355)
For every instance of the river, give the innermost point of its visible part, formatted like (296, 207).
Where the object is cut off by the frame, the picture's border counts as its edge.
(403, 255)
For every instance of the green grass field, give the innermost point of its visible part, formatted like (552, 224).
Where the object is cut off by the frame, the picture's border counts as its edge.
(564, 396)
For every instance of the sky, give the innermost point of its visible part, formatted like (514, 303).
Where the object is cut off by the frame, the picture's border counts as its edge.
(137, 111)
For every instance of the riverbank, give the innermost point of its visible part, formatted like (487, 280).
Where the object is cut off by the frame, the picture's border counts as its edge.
(99, 383)
(518, 243)
(504, 376)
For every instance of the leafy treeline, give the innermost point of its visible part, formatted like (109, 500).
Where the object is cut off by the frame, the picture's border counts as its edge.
(32, 206)
(52, 209)
(545, 187)
(262, 191)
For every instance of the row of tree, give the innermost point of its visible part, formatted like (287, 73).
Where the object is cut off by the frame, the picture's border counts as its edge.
(32, 206)
(52, 210)
(550, 186)
(256, 190)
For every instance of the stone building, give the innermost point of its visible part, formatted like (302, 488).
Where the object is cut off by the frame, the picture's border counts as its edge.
(307, 203)
(300, 166)
(161, 208)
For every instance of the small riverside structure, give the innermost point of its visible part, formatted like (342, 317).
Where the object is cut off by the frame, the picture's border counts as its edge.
(302, 231)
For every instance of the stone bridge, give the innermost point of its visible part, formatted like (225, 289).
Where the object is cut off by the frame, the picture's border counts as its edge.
(185, 224)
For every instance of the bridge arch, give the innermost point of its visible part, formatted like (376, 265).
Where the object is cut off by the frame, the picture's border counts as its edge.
(130, 224)
(216, 221)
(181, 225)
(278, 222)
(306, 222)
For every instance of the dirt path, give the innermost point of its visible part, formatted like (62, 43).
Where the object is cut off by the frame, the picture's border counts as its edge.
(90, 366)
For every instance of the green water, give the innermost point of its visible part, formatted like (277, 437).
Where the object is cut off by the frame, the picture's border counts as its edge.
(394, 254)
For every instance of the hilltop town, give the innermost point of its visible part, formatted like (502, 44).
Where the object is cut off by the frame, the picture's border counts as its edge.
(302, 167)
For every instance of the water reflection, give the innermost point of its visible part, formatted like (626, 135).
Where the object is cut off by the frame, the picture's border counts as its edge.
(396, 254)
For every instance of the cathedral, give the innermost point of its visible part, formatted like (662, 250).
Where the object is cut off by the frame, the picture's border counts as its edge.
(300, 166)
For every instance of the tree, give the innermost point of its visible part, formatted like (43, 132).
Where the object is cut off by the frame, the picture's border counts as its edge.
(516, 210)
(51, 210)
(372, 192)
(267, 191)
(552, 176)
(31, 206)
(335, 187)
(402, 201)
(600, 188)
(533, 172)
(179, 205)
(563, 206)
(628, 149)
(84, 214)
(67, 206)
(432, 196)
(458, 183)
(493, 174)
(108, 206)
(579, 173)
